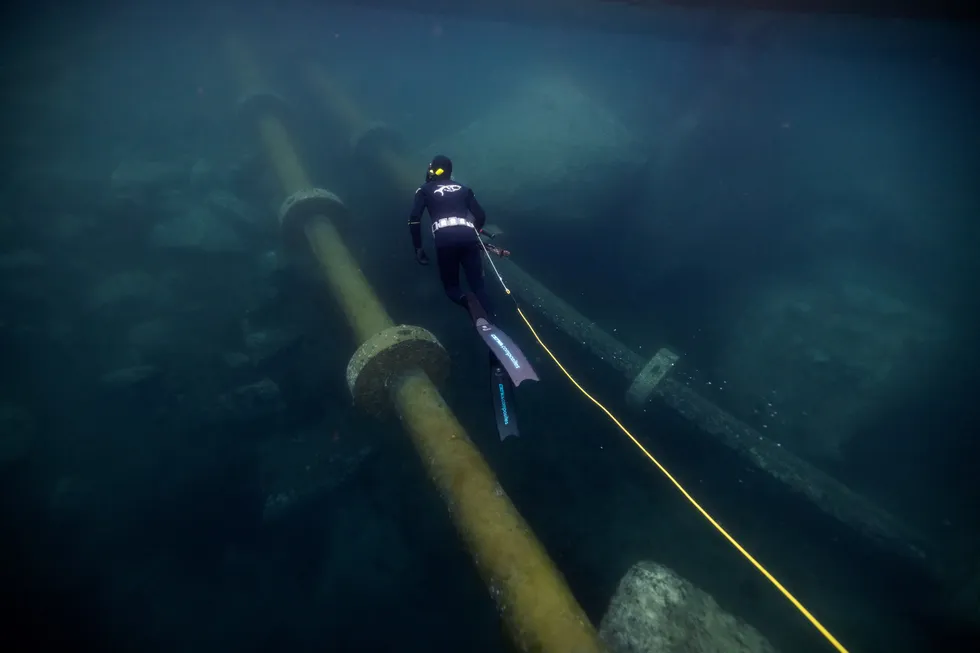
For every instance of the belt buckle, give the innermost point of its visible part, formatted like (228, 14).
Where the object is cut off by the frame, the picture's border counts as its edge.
(445, 222)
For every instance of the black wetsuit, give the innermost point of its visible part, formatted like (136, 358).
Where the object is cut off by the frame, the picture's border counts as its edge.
(456, 246)
(457, 218)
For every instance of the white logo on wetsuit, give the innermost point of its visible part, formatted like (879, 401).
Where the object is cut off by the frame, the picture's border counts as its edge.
(447, 188)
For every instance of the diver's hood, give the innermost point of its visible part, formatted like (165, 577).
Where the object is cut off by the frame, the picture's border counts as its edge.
(441, 167)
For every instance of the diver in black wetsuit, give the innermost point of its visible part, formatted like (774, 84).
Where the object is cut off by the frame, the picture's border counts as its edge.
(457, 219)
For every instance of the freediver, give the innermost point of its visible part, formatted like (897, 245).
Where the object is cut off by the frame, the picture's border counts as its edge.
(457, 222)
(457, 219)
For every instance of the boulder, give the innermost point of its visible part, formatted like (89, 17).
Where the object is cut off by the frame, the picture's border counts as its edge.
(249, 402)
(230, 207)
(810, 362)
(656, 611)
(548, 149)
(138, 179)
(299, 470)
(262, 345)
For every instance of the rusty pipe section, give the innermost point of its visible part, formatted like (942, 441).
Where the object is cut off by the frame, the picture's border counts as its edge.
(393, 371)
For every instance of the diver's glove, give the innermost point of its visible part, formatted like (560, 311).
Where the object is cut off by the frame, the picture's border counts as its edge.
(421, 257)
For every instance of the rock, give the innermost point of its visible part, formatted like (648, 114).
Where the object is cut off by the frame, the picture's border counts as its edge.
(570, 150)
(229, 206)
(252, 401)
(196, 230)
(814, 360)
(656, 611)
(139, 178)
(263, 344)
(269, 273)
(305, 467)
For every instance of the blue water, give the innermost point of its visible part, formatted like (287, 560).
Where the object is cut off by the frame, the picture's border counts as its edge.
(182, 467)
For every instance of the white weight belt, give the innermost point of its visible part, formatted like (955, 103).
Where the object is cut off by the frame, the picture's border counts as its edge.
(451, 222)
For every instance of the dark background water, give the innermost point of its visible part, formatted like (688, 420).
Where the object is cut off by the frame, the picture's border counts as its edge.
(163, 375)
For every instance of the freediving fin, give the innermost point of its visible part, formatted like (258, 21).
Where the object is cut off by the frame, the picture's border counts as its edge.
(510, 356)
(504, 407)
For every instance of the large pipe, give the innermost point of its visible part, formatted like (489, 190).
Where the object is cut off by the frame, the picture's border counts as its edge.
(647, 377)
(825, 492)
(391, 370)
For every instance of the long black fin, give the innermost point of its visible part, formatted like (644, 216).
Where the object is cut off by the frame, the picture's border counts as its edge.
(504, 406)
(509, 354)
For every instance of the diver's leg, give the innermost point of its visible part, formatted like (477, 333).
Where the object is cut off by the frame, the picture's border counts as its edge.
(448, 259)
(477, 298)
(472, 263)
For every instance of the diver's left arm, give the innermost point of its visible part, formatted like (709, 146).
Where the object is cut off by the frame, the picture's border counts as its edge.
(479, 215)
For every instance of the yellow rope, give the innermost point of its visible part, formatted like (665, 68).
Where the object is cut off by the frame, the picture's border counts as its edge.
(755, 563)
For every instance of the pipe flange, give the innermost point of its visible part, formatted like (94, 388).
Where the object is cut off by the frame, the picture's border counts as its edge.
(650, 377)
(302, 206)
(386, 357)
(373, 138)
(255, 104)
